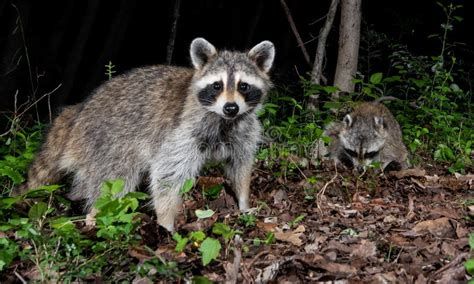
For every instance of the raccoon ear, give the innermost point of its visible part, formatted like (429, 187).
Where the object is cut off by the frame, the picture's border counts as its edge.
(347, 120)
(379, 122)
(201, 52)
(263, 54)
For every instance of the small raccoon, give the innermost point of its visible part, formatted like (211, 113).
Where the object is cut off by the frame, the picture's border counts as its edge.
(165, 122)
(368, 134)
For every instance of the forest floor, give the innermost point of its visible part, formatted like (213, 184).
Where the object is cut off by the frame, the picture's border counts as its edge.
(410, 226)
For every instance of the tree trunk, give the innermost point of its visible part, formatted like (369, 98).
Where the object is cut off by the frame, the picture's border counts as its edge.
(349, 38)
(321, 49)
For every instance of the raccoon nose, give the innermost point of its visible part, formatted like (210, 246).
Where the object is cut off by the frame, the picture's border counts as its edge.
(231, 109)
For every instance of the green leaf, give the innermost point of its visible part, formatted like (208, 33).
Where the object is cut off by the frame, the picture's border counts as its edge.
(63, 224)
(471, 241)
(197, 236)
(203, 214)
(117, 186)
(210, 249)
(469, 265)
(201, 280)
(7, 202)
(223, 230)
(37, 211)
(376, 78)
(187, 186)
(14, 175)
(213, 191)
(180, 242)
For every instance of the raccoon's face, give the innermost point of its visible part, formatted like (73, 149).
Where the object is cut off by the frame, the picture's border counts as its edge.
(231, 83)
(362, 140)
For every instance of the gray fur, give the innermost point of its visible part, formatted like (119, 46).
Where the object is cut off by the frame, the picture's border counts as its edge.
(368, 134)
(151, 122)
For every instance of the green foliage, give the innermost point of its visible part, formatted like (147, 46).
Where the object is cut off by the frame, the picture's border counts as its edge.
(296, 221)
(269, 239)
(110, 70)
(17, 150)
(225, 231)
(213, 192)
(469, 264)
(60, 251)
(248, 220)
(210, 249)
(203, 214)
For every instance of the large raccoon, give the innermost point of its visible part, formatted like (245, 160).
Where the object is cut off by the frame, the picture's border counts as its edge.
(368, 134)
(165, 122)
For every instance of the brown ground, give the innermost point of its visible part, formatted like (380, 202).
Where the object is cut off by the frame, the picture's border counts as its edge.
(406, 227)
(400, 227)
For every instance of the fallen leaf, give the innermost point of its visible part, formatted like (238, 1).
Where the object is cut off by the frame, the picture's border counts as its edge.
(415, 172)
(292, 237)
(208, 182)
(364, 250)
(440, 228)
(267, 227)
(139, 253)
(338, 268)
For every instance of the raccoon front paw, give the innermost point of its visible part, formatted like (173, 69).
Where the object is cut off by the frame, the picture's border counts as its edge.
(243, 205)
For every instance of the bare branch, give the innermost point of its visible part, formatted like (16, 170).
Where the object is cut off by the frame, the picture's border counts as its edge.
(174, 27)
(321, 49)
(295, 31)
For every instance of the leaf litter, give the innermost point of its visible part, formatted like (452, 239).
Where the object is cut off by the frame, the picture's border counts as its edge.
(403, 227)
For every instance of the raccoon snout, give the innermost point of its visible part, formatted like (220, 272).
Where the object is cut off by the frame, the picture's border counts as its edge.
(231, 109)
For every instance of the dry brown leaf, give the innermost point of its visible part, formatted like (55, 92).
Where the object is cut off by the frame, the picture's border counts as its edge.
(139, 253)
(338, 268)
(292, 237)
(200, 224)
(415, 172)
(141, 280)
(440, 228)
(267, 227)
(364, 250)
(207, 182)
(399, 240)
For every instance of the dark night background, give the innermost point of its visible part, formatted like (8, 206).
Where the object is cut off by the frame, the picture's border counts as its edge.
(69, 42)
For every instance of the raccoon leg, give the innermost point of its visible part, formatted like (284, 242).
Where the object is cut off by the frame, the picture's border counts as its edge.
(169, 170)
(239, 172)
(167, 202)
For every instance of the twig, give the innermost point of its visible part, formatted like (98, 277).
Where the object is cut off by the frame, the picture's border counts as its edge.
(255, 258)
(323, 190)
(174, 27)
(458, 259)
(25, 47)
(295, 31)
(232, 269)
(20, 277)
(40, 98)
(321, 49)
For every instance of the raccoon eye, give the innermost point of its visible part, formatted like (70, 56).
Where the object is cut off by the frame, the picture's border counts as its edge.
(243, 87)
(370, 155)
(217, 86)
(351, 153)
